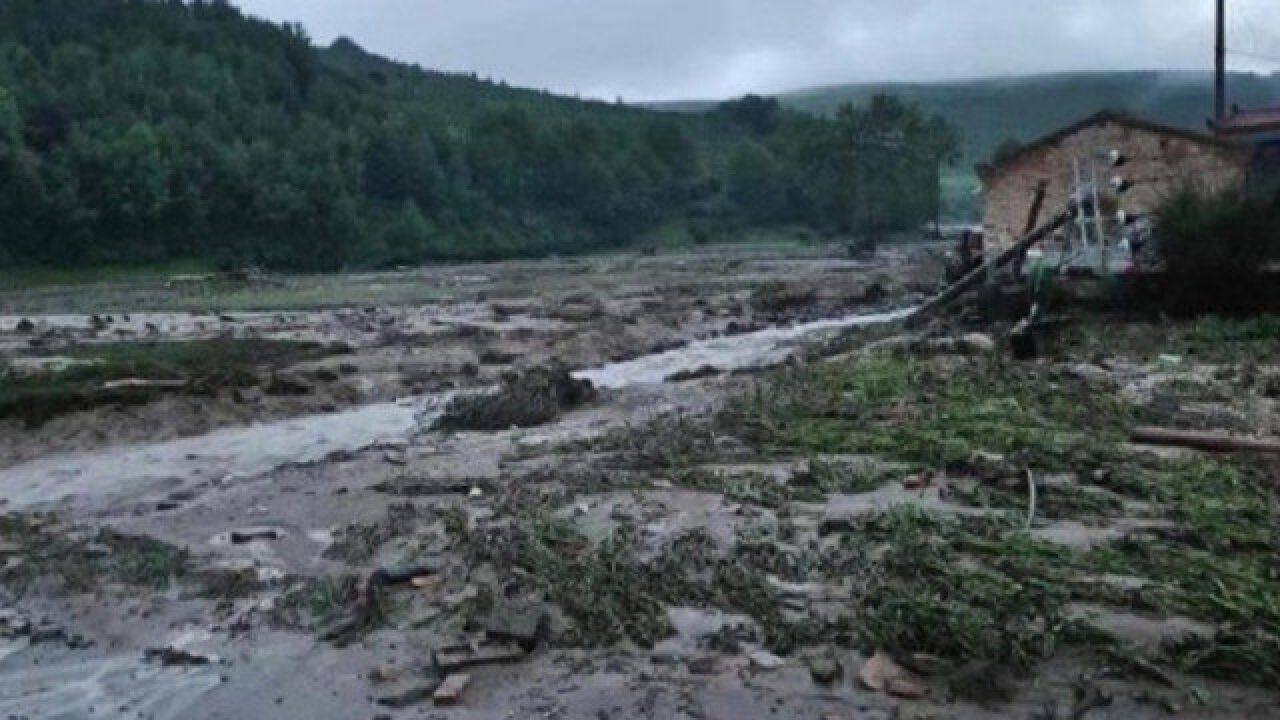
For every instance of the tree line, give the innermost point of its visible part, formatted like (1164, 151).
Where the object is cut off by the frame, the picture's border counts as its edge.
(140, 131)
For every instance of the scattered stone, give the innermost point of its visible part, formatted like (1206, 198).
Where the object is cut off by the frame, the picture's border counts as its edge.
(824, 667)
(450, 691)
(978, 343)
(765, 661)
(393, 457)
(170, 657)
(25, 327)
(882, 674)
(384, 674)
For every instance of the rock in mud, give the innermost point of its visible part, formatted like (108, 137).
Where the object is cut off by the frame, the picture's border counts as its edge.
(978, 343)
(765, 661)
(450, 691)
(824, 667)
(706, 371)
(384, 674)
(882, 674)
(171, 657)
(248, 535)
(524, 624)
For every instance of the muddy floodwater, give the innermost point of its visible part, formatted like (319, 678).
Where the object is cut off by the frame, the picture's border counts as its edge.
(235, 498)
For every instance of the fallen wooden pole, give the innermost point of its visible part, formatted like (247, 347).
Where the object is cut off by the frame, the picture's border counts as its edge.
(1208, 442)
(978, 274)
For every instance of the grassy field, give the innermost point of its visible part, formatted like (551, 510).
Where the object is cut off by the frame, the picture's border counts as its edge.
(202, 367)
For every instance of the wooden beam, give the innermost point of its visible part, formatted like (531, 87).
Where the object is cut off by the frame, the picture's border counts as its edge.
(1209, 442)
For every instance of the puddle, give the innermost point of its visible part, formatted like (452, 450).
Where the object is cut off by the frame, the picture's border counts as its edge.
(751, 350)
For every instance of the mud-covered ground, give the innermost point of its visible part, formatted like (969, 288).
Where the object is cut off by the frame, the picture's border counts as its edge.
(305, 497)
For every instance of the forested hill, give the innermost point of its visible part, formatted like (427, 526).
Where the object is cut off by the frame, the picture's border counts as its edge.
(135, 131)
(989, 112)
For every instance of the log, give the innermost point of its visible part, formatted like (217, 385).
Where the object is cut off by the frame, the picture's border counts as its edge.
(976, 276)
(1208, 442)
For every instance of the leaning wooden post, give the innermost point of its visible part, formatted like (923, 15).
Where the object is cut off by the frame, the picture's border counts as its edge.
(974, 278)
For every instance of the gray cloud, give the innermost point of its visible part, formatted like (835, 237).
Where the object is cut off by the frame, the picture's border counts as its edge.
(672, 49)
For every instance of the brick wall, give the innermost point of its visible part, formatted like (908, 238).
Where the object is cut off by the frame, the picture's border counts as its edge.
(1156, 165)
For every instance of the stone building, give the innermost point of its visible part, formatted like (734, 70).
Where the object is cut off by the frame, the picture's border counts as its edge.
(1137, 164)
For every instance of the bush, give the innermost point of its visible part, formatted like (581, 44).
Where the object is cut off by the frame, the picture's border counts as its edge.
(1215, 250)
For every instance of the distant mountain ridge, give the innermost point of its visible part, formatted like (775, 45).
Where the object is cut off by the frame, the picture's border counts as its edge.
(989, 111)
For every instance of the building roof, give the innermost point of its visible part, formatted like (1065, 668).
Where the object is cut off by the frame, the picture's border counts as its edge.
(1107, 116)
(1249, 122)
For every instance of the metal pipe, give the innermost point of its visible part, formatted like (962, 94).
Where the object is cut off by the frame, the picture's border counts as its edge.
(1220, 65)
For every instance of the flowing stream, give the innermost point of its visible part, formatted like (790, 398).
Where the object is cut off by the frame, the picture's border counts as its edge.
(132, 472)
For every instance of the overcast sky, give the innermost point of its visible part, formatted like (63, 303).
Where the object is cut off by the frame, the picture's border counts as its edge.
(645, 50)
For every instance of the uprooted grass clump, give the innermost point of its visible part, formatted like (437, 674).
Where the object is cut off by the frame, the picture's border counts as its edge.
(605, 589)
(961, 593)
(82, 565)
(669, 443)
(203, 366)
(1217, 563)
(935, 413)
(526, 399)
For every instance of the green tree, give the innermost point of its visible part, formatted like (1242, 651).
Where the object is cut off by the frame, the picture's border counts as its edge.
(755, 183)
